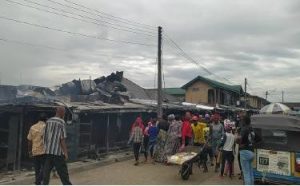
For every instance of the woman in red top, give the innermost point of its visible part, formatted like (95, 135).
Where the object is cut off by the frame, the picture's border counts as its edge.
(187, 131)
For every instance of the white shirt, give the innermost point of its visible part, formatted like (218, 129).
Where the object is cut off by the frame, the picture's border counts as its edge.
(229, 143)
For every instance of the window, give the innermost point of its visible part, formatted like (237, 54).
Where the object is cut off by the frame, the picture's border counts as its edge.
(274, 137)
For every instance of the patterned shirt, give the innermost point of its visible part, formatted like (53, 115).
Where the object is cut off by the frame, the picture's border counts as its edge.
(136, 135)
(35, 135)
(55, 130)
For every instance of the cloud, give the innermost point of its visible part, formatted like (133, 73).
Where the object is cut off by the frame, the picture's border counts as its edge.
(259, 40)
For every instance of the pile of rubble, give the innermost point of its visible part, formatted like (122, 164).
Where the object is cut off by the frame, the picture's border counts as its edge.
(106, 89)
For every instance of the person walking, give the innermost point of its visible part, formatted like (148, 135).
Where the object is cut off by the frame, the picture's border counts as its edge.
(246, 141)
(153, 133)
(227, 147)
(187, 131)
(216, 133)
(163, 127)
(137, 139)
(173, 135)
(36, 147)
(56, 152)
(140, 123)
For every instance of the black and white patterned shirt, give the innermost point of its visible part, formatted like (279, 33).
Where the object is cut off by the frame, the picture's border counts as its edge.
(55, 130)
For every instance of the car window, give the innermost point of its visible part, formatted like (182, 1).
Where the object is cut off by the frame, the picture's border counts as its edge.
(274, 137)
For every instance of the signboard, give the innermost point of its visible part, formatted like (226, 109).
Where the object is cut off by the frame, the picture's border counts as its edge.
(276, 162)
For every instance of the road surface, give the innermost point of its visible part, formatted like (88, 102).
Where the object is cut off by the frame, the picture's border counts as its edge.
(125, 172)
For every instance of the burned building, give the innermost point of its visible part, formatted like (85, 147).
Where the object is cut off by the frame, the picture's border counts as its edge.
(99, 115)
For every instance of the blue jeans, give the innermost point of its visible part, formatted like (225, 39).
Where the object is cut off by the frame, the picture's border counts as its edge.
(246, 158)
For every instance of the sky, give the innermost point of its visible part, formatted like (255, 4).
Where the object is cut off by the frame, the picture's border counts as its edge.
(254, 39)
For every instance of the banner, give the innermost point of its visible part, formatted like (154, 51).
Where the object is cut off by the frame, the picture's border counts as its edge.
(276, 162)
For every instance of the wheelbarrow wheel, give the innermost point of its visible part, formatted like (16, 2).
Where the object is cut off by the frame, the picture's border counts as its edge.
(185, 171)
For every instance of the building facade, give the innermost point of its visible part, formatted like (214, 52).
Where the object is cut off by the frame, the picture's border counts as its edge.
(202, 90)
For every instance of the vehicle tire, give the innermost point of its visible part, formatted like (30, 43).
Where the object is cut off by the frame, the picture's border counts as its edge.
(185, 171)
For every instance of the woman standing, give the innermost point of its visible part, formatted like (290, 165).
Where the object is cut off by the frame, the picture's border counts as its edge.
(159, 154)
(173, 135)
(137, 138)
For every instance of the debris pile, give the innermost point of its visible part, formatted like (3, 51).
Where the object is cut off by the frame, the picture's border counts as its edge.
(106, 89)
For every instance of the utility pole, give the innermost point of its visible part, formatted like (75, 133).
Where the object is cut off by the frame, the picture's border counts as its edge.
(245, 97)
(282, 95)
(267, 93)
(159, 77)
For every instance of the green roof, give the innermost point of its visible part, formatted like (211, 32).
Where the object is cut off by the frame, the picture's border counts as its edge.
(215, 84)
(174, 91)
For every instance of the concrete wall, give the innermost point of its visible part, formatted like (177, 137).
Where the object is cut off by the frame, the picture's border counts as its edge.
(197, 93)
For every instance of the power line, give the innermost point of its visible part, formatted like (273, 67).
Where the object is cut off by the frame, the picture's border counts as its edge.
(53, 48)
(30, 44)
(112, 17)
(71, 17)
(74, 33)
(186, 56)
(107, 22)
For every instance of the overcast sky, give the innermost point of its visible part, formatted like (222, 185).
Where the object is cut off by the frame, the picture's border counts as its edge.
(256, 39)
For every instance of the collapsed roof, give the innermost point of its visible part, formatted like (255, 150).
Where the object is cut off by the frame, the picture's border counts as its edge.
(103, 91)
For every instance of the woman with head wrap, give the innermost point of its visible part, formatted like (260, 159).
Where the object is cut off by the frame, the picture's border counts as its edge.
(139, 121)
(173, 135)
(163, 126)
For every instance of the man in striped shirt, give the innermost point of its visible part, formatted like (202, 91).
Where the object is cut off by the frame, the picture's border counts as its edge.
(55, 147)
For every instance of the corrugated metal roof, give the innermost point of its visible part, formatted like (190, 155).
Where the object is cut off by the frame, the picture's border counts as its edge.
(174, 91)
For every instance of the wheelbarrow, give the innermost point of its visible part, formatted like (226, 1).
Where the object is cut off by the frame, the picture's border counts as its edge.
(186, 161)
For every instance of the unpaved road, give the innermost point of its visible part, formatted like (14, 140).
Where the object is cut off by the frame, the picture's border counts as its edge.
(126, 173)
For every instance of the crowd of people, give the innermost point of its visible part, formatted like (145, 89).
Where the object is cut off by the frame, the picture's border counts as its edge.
(215, 136)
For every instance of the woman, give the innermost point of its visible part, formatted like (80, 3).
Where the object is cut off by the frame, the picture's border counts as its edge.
(173, 135)
(187, 131)
(137, 138)
(247, 140)
(159, 154)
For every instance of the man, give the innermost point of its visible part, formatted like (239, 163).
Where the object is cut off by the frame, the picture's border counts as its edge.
(216, 133)
(137, 138)
(36, 147)
(56, 148)
(198, 131)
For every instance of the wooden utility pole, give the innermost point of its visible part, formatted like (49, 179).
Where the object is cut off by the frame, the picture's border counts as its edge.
(282, 95)
(245, 97)
(159, 77)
